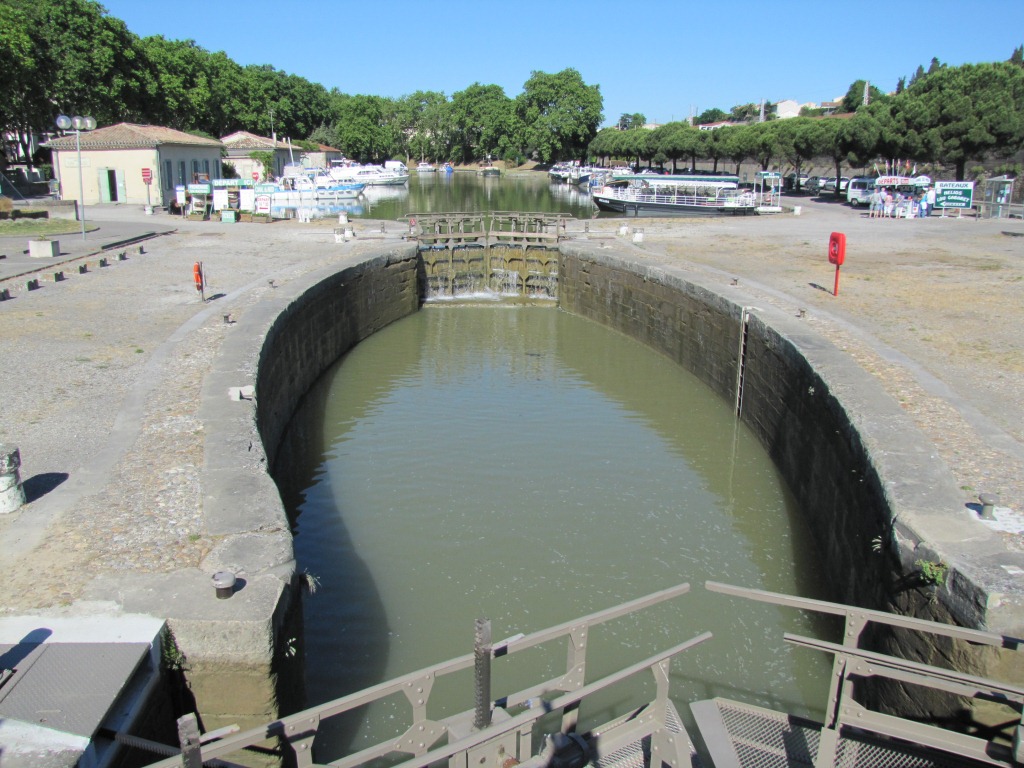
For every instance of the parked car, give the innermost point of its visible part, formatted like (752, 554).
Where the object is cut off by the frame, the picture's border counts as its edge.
(829, 187)
(813, 184)
(791, 181)
(859, 190)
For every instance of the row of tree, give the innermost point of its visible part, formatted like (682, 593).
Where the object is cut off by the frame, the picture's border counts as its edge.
(947, 116)
(71, 56)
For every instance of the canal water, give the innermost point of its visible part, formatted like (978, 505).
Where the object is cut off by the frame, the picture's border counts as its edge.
(520, 464)
(460, 191)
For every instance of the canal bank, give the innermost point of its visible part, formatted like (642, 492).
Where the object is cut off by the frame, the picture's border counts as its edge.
(135, 348)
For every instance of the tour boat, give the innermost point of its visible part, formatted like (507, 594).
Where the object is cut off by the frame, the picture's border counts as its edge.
(695, 195)
(426, 168)
(371, 175)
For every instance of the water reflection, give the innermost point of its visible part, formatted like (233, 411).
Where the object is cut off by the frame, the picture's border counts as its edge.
(466, 192)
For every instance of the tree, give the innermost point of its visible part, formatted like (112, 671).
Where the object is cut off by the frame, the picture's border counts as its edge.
(713, 115)
(967, 112)
(918, 74)
(560, 114)
(1017, 57)
(745, 113)
(636, 120)
(854, 97)
(265, 159)
(483, 123)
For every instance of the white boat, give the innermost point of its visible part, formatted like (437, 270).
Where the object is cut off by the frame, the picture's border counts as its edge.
(314, 185)
(371, 175)
(695, 195)
(425, 168)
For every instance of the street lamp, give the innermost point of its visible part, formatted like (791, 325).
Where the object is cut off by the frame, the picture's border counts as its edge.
(79, 124)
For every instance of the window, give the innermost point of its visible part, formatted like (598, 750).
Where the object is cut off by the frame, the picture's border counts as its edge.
(206, 168)
(168, 174)
(181, 173)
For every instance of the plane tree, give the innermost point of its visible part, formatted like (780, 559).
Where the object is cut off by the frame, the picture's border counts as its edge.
(560, 114)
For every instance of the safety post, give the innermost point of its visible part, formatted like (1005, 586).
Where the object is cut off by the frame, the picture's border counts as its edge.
(836, 255)
(200, 279)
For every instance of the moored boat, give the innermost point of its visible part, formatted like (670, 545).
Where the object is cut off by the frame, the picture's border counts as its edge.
(425, 168)
(695, 195)
(371, 175)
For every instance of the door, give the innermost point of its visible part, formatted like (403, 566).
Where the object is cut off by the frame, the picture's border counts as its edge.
(111, 183)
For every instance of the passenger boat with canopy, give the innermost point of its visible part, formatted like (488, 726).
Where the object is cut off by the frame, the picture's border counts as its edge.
(692, 195)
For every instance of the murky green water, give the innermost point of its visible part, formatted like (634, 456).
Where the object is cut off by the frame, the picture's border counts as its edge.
(524, 465)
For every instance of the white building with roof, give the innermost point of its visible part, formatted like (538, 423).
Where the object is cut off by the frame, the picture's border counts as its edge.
(114, 160)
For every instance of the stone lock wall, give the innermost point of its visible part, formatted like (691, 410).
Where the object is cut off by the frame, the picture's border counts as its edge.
(876, 497)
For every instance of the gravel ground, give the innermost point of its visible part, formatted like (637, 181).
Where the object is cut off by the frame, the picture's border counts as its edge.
(102, 372)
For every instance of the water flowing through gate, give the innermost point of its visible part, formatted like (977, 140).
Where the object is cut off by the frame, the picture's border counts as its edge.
(501, 252)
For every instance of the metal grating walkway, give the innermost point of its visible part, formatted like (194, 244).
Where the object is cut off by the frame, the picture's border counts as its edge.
(638, 754)
(743, 736)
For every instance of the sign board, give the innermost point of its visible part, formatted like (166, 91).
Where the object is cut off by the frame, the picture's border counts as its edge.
(147, 175)
(179, 195)
(262, 203)
(954, 194)
(255, 175)
(199, 189)
(220, 199)
(246, 199)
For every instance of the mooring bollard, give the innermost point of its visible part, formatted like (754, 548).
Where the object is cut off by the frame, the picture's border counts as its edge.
(224, 584)
(5, 294)
(32, 285)
(58, 276)
(12, 493)
(83, 268)
(988, 503)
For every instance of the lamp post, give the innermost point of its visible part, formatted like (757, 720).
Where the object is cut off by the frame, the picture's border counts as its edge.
(79, 124)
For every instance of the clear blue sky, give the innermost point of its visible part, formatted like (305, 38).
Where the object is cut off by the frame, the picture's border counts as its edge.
(661, 58)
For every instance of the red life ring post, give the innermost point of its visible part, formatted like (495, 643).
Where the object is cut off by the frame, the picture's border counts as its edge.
(836, 255)
(197, 276)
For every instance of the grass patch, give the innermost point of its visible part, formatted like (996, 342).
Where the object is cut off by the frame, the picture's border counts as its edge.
(41, 227)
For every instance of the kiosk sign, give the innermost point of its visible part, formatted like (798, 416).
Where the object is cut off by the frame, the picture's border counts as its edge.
(954, 194)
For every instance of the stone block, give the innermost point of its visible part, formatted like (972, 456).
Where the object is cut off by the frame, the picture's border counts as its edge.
(43, 249)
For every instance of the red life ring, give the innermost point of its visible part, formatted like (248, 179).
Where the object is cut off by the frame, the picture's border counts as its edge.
(837, 248)
(197, 275)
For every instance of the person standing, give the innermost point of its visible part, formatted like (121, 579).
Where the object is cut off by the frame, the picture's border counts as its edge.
(930, 198)
(923, 204)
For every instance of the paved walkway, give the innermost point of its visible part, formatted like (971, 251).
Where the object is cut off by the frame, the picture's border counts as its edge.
(101, 372)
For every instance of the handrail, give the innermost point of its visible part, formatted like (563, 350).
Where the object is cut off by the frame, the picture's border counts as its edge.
(300, 728)
(977, 636)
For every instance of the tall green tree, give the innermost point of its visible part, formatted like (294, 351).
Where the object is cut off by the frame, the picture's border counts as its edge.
(635, 120)
(713, 115)
(560, 114)
(484, 123)
(966, 113)
(854, 97)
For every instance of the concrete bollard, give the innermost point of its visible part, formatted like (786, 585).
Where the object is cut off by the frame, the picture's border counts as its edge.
(32, 285)
(638, 235)
(12, 493)
(5, 294)
(83, 268)
(103, 262)
(58, 276)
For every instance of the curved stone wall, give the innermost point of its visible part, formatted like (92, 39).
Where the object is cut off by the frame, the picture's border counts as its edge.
(877, 498)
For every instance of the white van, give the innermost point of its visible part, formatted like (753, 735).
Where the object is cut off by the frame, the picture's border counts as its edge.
(396, 165)
(858, 191)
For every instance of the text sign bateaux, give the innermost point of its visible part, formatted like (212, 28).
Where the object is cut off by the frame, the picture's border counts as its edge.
(954, 194)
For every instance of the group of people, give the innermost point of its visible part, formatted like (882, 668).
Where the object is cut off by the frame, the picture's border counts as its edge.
(887, 203)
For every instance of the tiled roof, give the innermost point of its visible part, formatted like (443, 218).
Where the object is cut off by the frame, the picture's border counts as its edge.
(246, 140)
(130, 136)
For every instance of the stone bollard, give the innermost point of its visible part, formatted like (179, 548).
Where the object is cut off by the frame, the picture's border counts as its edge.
(12, 494)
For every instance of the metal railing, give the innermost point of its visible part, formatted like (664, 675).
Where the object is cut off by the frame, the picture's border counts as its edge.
(851, 663)
(503, 735)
